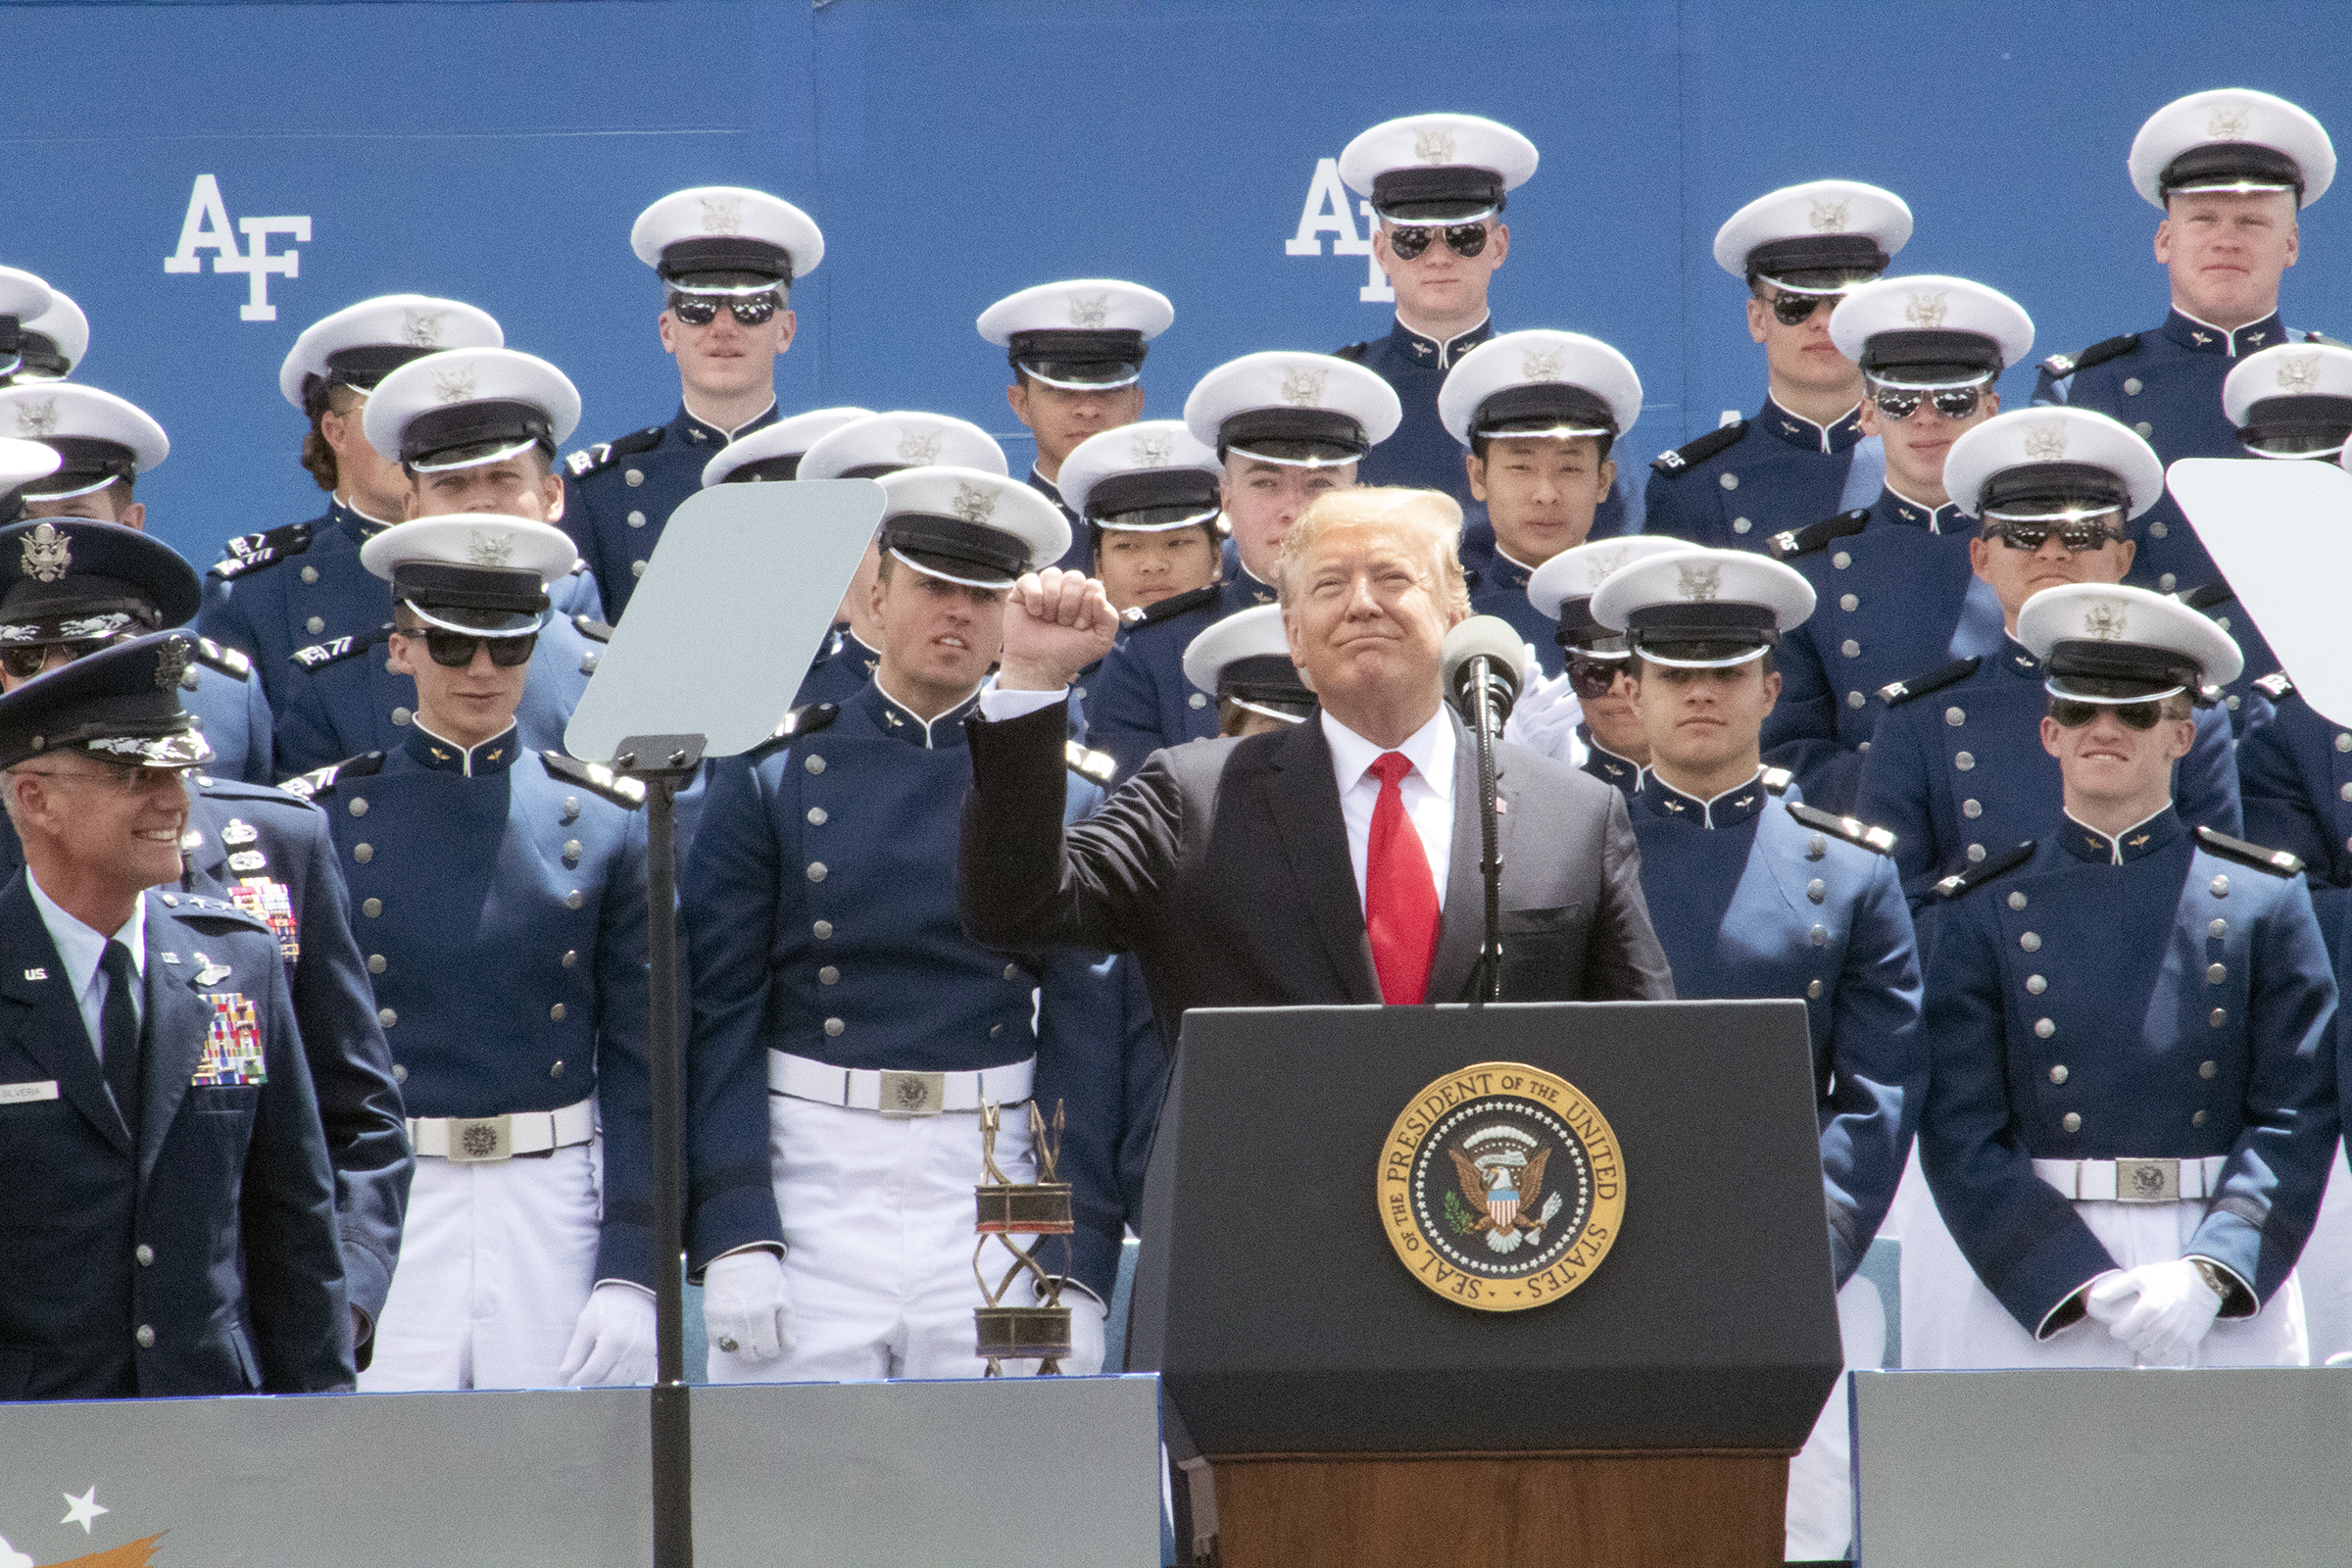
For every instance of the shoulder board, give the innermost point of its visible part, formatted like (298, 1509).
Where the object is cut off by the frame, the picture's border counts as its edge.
(195, 905)
(1692, 453)
(1875, 839)
(1095, 768)
(806, 720)
(595, 630)
(1353, 353)
(591, 460)
(1178, 604)
(1894, 694)
(1778, 780)
(2277, 685)
(251, 552)
(2216, 592)
(225, 661)
(2278, 863)
(335, 650)
(2062, 365)
(1975, 876)
(322, 781)
(1789, 544)
(2322, 337)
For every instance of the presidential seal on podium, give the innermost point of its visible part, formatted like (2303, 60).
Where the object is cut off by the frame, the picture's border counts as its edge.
(1501, 1187)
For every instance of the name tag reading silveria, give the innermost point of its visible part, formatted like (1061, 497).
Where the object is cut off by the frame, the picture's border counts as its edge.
(1501, 1187)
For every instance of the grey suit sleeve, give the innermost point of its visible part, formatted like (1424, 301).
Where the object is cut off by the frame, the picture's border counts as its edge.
(1625, 961)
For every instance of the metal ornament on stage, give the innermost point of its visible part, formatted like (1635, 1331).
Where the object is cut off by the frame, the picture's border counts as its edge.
(1007, 1209)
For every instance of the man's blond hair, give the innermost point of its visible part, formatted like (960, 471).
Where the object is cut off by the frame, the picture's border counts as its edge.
(1432, 515)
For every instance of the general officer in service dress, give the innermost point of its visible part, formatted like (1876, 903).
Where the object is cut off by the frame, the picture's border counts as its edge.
(1806, 454)
(1286, 429)
(475, 430)
(1756, 893)
(1893, 579)
(103, 445)
(727, 257)
(845, 1030)
(2131, 1106)
(1956, 768)
(502, 904)
(169, 1228)
(74, 588)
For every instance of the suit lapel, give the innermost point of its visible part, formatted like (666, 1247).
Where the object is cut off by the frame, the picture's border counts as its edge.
(1302, 797)
(178, 1024)
(51, 1028)
(1464, 919)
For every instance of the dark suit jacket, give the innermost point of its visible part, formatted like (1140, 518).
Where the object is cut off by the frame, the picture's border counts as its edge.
(226, 1193)
(1223, 865)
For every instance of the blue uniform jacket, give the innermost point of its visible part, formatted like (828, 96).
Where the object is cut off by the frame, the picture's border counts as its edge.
(1080, 556)
(1621, 773)
(234, 719)
(618, 495)
(1140, 701)
(1498, 588)
(820, 920)
(1891, 601)
(1750, 901)
(2147, 998)
(2295, 772)
(201, 1258)
(1735, 487)
(503, 911)
(1422, 454)
(1956, 769)
(301, 588)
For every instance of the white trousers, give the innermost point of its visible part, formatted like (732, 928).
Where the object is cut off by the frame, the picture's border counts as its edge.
(878, 1242)
(495, 1261)
(2326, 1269)
(1821, 1478)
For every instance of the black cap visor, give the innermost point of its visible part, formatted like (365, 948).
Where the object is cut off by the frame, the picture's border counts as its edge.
(1151, 499)
(2307, 425)
(468, 436)
(2089, 671)
(787, 467)
(2240, 167)
(1708, 635)
(956, 551)
(1451, 193)
(1925, 361)
(484, 601)
(84, 464)
(1817, 264)
(1293, 437)
(2052, 492)
(1077, 360)
(690, 264)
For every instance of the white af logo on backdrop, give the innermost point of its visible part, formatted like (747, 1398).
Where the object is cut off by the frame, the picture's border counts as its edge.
(205, 227)
(1331, 209)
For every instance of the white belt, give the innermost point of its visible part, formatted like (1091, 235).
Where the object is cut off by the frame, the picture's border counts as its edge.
(896, 1094)
(471, 1139)
(2133, 1181)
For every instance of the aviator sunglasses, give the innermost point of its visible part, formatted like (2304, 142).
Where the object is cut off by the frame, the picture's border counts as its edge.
(25, 661)
(1953, 401)
(701, 309)
(2078, 534)
(2072, 715)
(1410, 240)
(1791, 309)
(1591, 678)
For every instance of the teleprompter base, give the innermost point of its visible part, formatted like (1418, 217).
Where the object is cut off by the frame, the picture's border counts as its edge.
(1626, 1509)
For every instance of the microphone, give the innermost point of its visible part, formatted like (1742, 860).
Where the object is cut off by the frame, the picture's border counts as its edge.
(1482, 653)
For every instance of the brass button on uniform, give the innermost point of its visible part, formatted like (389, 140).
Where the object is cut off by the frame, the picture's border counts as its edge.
(2131, 386)
(2044, 1028)
(557, 1071)
(2343, 740)
(572, 851)
(1856, 699)
(2221, 887)
(2146, 429)
(309, 574)
(816, 816)
(1821, 937)
(1741, 524)
(814, 764)
(386, 1016)
(1841, 560)
(2016, 900)
(1972, 810)
(315, 625)
(1198, 700)
(1729, 481)
(145, 1336)
(358, 806)
(2208, 1069)
(1965, 762)
(823, 929)
(2219, 928)
(556, 1014)
(574, 899)
(2036, 984)
(636, 568)
(834, 1026)
(1817, 890)
(2216, 973)
(372, 907)
(145, 1254)
(375, 964)
(1012, 972)
(817, 870)
(828, 976)
(634, 477)
(2197, 1120)
(2031, 941)
(2058, 1072)
(1975, 852)
(1813, 989)
(1850, 649)
(2072, 1121)
(2167, 580)
(571, 957)
(1849, 601)
(1955, 716)
(363, 853)
(401, 715)
(636, 519)
(2218, 1018)
(399, 1073)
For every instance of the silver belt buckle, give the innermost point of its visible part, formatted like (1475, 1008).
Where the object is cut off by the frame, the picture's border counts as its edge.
(476, 1140)
(913, 1094)
(2147, 1181)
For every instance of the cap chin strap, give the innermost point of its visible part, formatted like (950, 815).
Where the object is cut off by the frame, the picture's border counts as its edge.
(2053, 687)
(1650, 655)
(1294, 463)
(998, 585)
(1035, 374)
(1199, 519)
(538, 623)
(501, 455)
(31, 494)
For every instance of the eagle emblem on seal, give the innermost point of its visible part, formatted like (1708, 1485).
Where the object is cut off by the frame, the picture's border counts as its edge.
(1502, 1174)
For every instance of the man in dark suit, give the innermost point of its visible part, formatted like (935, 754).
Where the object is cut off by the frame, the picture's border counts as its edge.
(1335, 862)
(170, 1221)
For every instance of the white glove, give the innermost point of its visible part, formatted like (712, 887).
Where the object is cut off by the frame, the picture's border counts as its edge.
(613, 1345)
(2161, 1310)
(1544, 719)
(746, 1307)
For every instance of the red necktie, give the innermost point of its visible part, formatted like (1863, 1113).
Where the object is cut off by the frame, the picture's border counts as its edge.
(1401, 901)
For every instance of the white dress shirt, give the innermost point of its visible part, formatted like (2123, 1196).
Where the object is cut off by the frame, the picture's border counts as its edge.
(1428, 792)
(83, 949)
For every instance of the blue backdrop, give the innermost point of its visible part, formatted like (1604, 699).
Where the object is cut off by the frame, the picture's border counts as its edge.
(955, 151)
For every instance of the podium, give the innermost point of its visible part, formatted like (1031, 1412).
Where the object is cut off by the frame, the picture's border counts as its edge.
(1348, 1414)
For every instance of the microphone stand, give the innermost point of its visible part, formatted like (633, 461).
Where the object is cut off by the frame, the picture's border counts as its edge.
(1484, 724)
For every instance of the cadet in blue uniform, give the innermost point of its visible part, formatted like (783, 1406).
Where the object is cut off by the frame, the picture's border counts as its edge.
(845, 1030)
(1286, 427)
(169, 1228)
(2229, 169)
(1243, 662)
(502, 908)
(475, 432)
(1758, 895)
(867, 449)
(2130, 1109)
(1540, 411)
(1894, 580)
(1147, 497)
(50, 344)
(727, 259)
(1584, 717)
(1077, 353)
(1956, 769)
(302, 585)
(103, 444)
(74, 588)
(1803, 457)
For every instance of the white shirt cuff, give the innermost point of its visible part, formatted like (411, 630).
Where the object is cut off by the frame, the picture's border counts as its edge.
(997, 705)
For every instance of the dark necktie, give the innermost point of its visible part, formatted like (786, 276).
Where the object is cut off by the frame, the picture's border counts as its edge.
(1400, 898)
(119, 1028)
